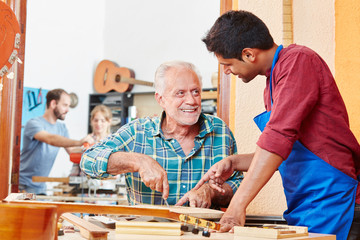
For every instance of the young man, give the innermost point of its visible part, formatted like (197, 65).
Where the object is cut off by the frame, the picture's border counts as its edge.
(42, 138)
(305, 131)
(164, 158)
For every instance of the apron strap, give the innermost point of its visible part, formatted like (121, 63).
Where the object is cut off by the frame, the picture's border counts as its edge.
(276, 57)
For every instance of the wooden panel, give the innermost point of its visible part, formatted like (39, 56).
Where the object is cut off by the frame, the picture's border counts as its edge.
(21, 13)
(287, 23)
(11, 99)
(224, 83)
(50, 179)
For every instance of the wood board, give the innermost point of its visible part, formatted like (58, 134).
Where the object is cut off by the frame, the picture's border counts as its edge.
(87, 229)
(189, 236)
(149, 228)
(204, 213)
(271, 232)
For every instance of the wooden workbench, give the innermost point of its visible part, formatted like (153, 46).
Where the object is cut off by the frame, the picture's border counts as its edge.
(189, 236)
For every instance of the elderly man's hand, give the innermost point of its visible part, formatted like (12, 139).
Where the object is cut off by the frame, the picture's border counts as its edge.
(154, 176)
(198, 198)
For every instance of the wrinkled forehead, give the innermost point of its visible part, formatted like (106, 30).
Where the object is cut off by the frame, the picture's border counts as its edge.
(181, 78)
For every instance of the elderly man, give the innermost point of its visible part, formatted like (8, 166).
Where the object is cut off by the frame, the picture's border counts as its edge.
(164, 158)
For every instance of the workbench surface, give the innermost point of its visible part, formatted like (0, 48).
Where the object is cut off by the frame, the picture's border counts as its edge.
(189, 236)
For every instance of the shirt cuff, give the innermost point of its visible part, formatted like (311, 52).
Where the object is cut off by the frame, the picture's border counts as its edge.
(275, 142)
(235, 180)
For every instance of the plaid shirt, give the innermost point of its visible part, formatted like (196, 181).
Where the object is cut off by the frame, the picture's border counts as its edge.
(213, 143)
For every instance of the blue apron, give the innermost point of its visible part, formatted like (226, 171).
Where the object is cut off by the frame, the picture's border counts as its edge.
(318, 195)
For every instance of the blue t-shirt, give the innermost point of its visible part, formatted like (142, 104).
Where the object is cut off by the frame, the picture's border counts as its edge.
(37, 158)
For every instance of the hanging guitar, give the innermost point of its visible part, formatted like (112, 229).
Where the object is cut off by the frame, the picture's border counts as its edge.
(9, 40)
(110, 77)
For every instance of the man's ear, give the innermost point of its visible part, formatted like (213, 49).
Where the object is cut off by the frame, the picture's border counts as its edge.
(248, 54)
(158, 98)
(52, 104)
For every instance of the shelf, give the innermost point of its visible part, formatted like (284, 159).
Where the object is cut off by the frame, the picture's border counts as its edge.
(205, 95)
(119, 104)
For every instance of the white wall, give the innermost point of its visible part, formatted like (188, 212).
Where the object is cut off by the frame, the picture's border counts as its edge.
(314, 27)
(66, 39)
(142, 34)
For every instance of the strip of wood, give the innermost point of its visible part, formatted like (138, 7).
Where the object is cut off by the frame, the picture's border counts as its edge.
(50, 179)
(272, 233)
(87, 230)
(149, 228)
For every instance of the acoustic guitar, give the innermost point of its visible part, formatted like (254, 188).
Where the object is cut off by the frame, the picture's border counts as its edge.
(29, 219)
(110, 77)
(9, 38)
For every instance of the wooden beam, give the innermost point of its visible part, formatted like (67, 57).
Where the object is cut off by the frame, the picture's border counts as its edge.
(50, 179)
(8, 114)
(224, 83)
(149, 228)
(87, 230)
(287, 23)
(20, 11)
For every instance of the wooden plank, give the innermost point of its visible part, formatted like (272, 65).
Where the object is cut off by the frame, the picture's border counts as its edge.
(272, 232)
(102, 221)
(149, 228)
(50, 179)
(20, 12)
(204, 213)
(119, 200)
(87, 230)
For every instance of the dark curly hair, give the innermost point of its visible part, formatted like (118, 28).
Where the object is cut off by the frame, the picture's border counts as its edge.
(235, 30)
(54, 94)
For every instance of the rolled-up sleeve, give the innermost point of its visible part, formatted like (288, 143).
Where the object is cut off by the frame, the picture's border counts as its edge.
(94, 161)
(294, 96)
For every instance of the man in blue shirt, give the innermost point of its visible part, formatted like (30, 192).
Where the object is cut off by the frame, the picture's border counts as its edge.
(41, 141)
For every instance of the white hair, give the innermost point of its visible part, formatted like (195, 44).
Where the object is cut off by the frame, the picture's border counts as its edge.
(160, 74)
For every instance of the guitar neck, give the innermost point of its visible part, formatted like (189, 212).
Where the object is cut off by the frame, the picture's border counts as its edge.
(125, 210)
(135, 81)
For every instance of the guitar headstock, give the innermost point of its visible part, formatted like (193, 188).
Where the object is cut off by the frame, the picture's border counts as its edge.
(199, 222)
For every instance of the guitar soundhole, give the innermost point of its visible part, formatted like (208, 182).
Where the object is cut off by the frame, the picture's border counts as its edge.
(117, 78)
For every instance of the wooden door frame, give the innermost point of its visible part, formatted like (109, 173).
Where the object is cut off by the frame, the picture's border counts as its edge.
(224, 83)
(10, 119)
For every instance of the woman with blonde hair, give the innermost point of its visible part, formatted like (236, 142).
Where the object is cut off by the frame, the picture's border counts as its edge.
(100, 121)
